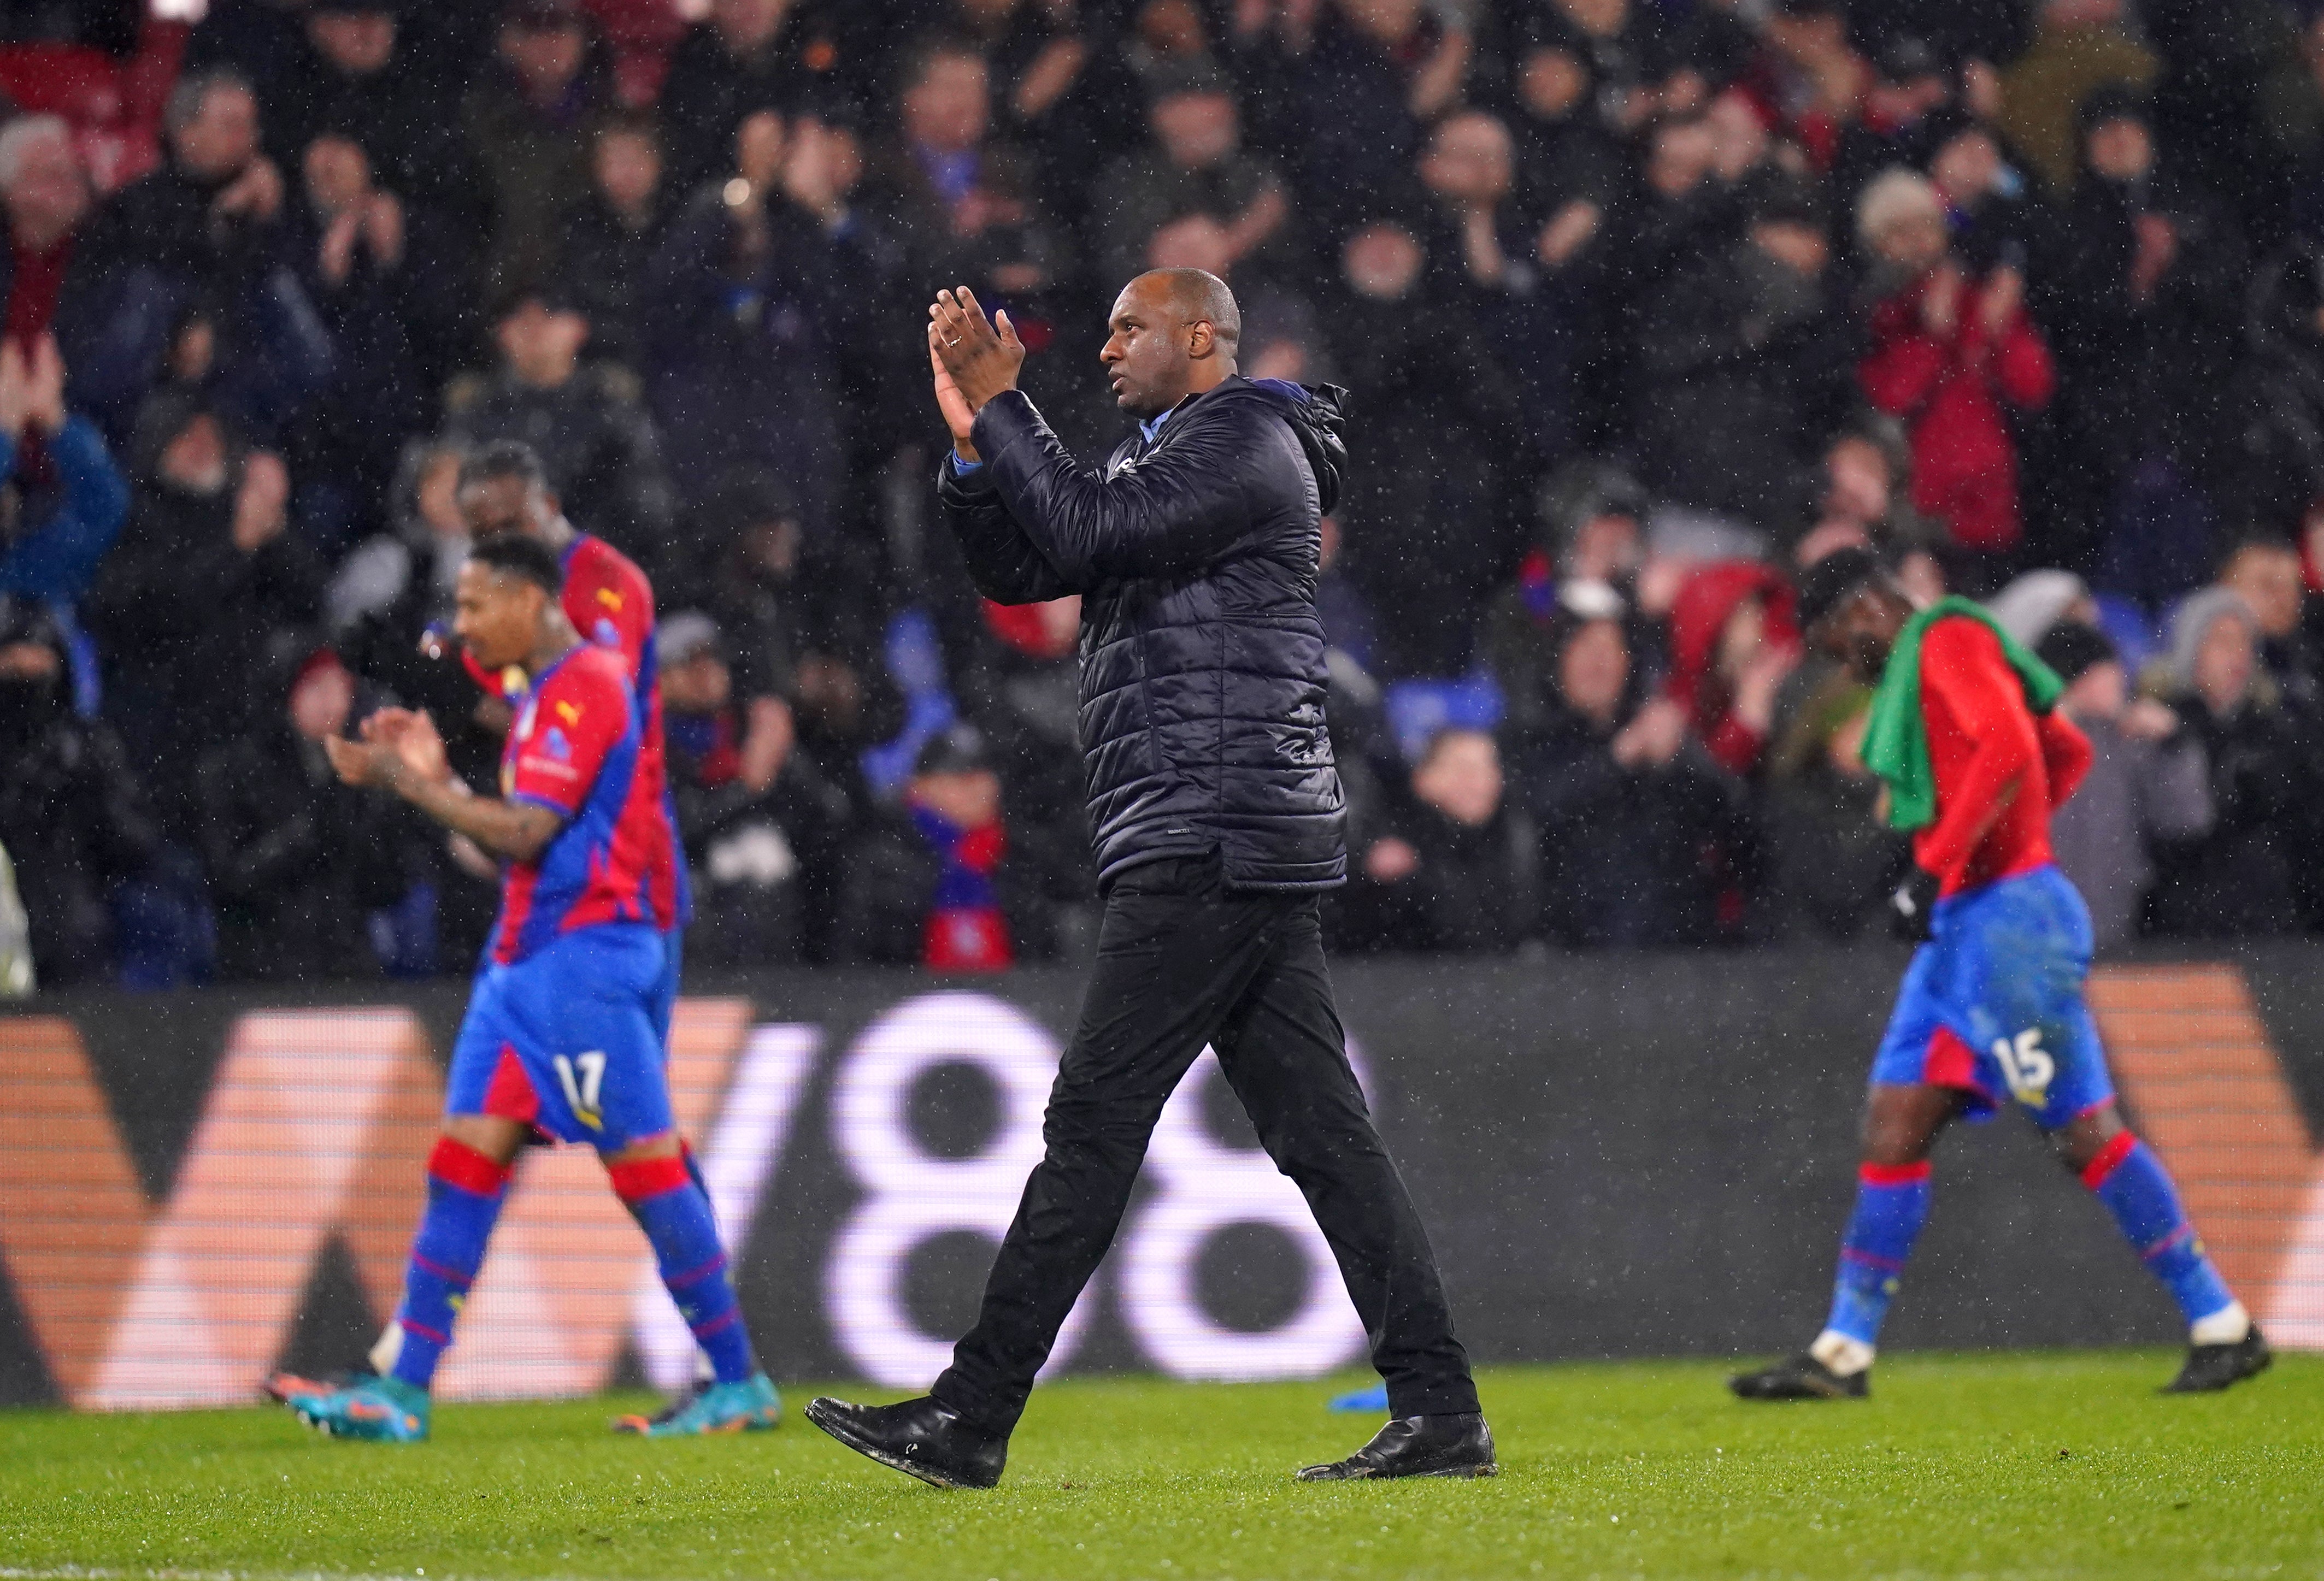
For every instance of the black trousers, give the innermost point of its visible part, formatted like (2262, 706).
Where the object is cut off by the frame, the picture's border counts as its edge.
(1183, 962)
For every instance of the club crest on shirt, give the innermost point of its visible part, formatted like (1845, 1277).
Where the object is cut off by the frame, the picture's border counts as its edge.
(605, 633)
(555, 745)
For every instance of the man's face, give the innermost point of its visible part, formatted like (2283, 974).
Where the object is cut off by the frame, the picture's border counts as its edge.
(950, 106)
(627, 168)
(221, 138)
(1914, 242)
(1858, 634)
(745, 24)
(1382, 261)
(2120, 149)
(357, 42)
(2100, 692)
(545, 56)
(1967, 167)
(542, 344)
(496, 616)
(1552, 83)
(702, 685)
(968, 798)
(51, 192)
(2269, 579)
(1196, 130)
(2224, 663)
(1147, 353)
(1470, 160)
(1594, 669)
(498, 505)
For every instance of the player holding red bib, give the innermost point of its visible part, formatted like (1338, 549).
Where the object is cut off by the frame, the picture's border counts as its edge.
(1991, 1008)
(560, 1035)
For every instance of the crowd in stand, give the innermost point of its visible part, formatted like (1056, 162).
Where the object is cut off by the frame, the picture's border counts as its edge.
(1644, 305)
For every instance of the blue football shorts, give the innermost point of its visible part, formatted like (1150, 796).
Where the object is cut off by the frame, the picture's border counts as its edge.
(1992, 1005)
(566, 1041)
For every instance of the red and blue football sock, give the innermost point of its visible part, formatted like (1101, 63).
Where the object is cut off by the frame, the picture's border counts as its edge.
(465, 1193)
(1892, 1203)
(2130, 1180)
(675, 1213)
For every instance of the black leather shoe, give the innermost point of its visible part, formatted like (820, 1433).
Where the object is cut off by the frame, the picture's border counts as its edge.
(2210, 1368)
(1417, 1445)
(917, 1438)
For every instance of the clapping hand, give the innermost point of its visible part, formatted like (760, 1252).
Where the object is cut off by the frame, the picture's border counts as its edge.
(981, 360)
(411, 734)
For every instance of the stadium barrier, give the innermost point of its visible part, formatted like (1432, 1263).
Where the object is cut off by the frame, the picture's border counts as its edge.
(1618, 1155)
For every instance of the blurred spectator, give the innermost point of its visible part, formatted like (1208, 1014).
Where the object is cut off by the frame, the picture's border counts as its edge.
(584, 420)
(2146, 314)
(71, 818)
(2078, 46)
(389, 299)
(2036, 603)
(1195, 164)
(727, 759)
(611, 237)
(2148, 781)
(1995, 218)
(1624, 804)
(1380, 71)
(1732, 643)
(1585, 566)
(962, 200)
(1830, 862)
(750, 314)
(199, 248)
(742, 57)
(1619, 47)
(2265, 569)
(1744, 362)
(297, 861)
(61, 512)
(527, 121)
(1448, 872)
(934, 882)
(1951, 353)
(207, 578)
(44, 194)
(351, 73)
(2279, 410)
(1425, 518)
(2236, 877)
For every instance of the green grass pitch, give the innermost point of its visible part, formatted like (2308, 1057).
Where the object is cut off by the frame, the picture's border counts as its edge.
(1991, 1465)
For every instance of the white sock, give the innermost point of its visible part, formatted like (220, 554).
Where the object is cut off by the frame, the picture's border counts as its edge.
(387, 1348)
(1844, 1354)
(2227, 1326)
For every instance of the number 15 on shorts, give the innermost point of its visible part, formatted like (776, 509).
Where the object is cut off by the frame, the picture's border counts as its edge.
(2025, 1064)
(583, 1077)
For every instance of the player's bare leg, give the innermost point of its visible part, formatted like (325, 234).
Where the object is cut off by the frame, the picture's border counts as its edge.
(1901, 1122)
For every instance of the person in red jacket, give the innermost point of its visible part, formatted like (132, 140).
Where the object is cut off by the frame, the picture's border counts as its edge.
(1952, 354)
(1732, 643)
(1974, 760)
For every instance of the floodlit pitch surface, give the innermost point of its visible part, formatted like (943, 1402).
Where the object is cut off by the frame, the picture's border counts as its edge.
(1988, 1465)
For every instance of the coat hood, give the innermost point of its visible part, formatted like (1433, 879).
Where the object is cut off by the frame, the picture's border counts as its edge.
(1699, 615)
(1318, 416)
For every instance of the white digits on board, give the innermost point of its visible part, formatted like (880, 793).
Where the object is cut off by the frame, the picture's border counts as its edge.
(2027, 1066)
(1201, 1187)
(912, 1195)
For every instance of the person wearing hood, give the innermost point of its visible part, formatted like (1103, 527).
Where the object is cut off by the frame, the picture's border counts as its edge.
(1450, 869)
(1218, 818)
(2144, 308)
(2236, 877)
(298, 861)
(2149, 781)
(1732, 642)
(1592, 544)
(71, 818)
(207, 572)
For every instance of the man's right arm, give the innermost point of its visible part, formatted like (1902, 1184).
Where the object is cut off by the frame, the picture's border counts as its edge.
(1001, 560)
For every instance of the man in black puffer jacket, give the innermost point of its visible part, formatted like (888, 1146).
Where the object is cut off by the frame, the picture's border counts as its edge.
(1216, 809)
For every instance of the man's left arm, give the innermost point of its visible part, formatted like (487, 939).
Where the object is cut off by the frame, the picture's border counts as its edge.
(518, 831)
(1176, 509)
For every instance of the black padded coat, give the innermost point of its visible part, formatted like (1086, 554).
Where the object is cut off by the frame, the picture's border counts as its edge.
(1202, 657)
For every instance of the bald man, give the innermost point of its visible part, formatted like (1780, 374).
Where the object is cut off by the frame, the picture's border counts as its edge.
(1216, 810)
